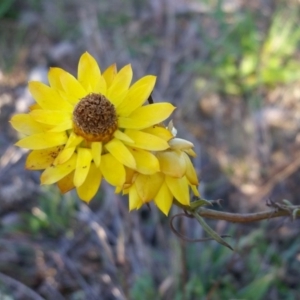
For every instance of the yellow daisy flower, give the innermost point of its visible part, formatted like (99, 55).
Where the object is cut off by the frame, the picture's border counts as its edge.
(176, 177)
(83, 129)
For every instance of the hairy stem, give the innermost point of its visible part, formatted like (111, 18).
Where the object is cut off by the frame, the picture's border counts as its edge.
(279, 210)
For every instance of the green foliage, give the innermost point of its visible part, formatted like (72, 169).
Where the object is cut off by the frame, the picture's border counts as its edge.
(52, 215)
(244, 59)
(143, 288)
(211, 274)
(6, 8)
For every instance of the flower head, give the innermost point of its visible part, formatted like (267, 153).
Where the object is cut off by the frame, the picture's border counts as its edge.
(93, 126)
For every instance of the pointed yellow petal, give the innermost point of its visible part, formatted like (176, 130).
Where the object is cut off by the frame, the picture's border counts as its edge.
(43, 140)
(164, 199)
(179, 188)
(89, 74)
(34, 106)
(91, 185)
(54, 80)
(120, 85)
(112, 170)
(66, 184)
(147, 116)
(195, 190)
(118, 190)
(134, 199)
(172, 163)
(137, 95)
(191, 174)
(130, 177)
(66, 125)
(159, 131)
(41, 159)
(47, 97)
(121, 153)
(25, 124)
(64, 155)
(96, 148)
(180, 144)
(146, 162)
(71, 86)
(191, 152)
(56, 173)
(50, 117)
(148, 186)
(146, 141)
(74, 140)
(84, 158)
(109, 74)
(122, 136)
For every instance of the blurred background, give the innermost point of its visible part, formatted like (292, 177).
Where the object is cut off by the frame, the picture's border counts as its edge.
(232, 68)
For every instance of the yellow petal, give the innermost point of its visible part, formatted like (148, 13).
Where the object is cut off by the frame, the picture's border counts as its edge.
(41, 159)
(66, 184)
(64, 155)
(121, 153)
(96, 148)
(146, 162)
(71, 86)
(66, 125)
(74, 140)
(135, 201)
(34, 106)
(50, 117)
(47, 97)
(91, 185)
(191, 152)
(137, 95)
(164, 199)
(54, 80)
(179, 188)
(122, 136)
(159, 131)
(84, 158)
(148, 186)
(56, 173)
(146, 116)
(120, 85)
(146, 141)
(112, 170)
(89, 75)
(130, 177)
(25, 124)
(172, 163)
(43, 140)
(195, 190)
(191, 174)
(109, 74)
(118, 190)
(180, 144)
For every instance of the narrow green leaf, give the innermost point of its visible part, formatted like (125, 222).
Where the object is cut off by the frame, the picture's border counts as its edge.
(210, 231)
(199, 203)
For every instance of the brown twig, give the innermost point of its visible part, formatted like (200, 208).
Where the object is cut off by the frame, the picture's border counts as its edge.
(278, 211)
(242, 218)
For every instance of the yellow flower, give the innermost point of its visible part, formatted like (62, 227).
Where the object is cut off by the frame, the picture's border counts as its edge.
(176, 177)
(83, 129)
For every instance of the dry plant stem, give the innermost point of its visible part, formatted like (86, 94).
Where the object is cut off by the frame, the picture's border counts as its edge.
(240, 218)
(243, 218)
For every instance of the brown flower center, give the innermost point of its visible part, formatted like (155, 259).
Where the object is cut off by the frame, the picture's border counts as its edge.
(95, 118)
